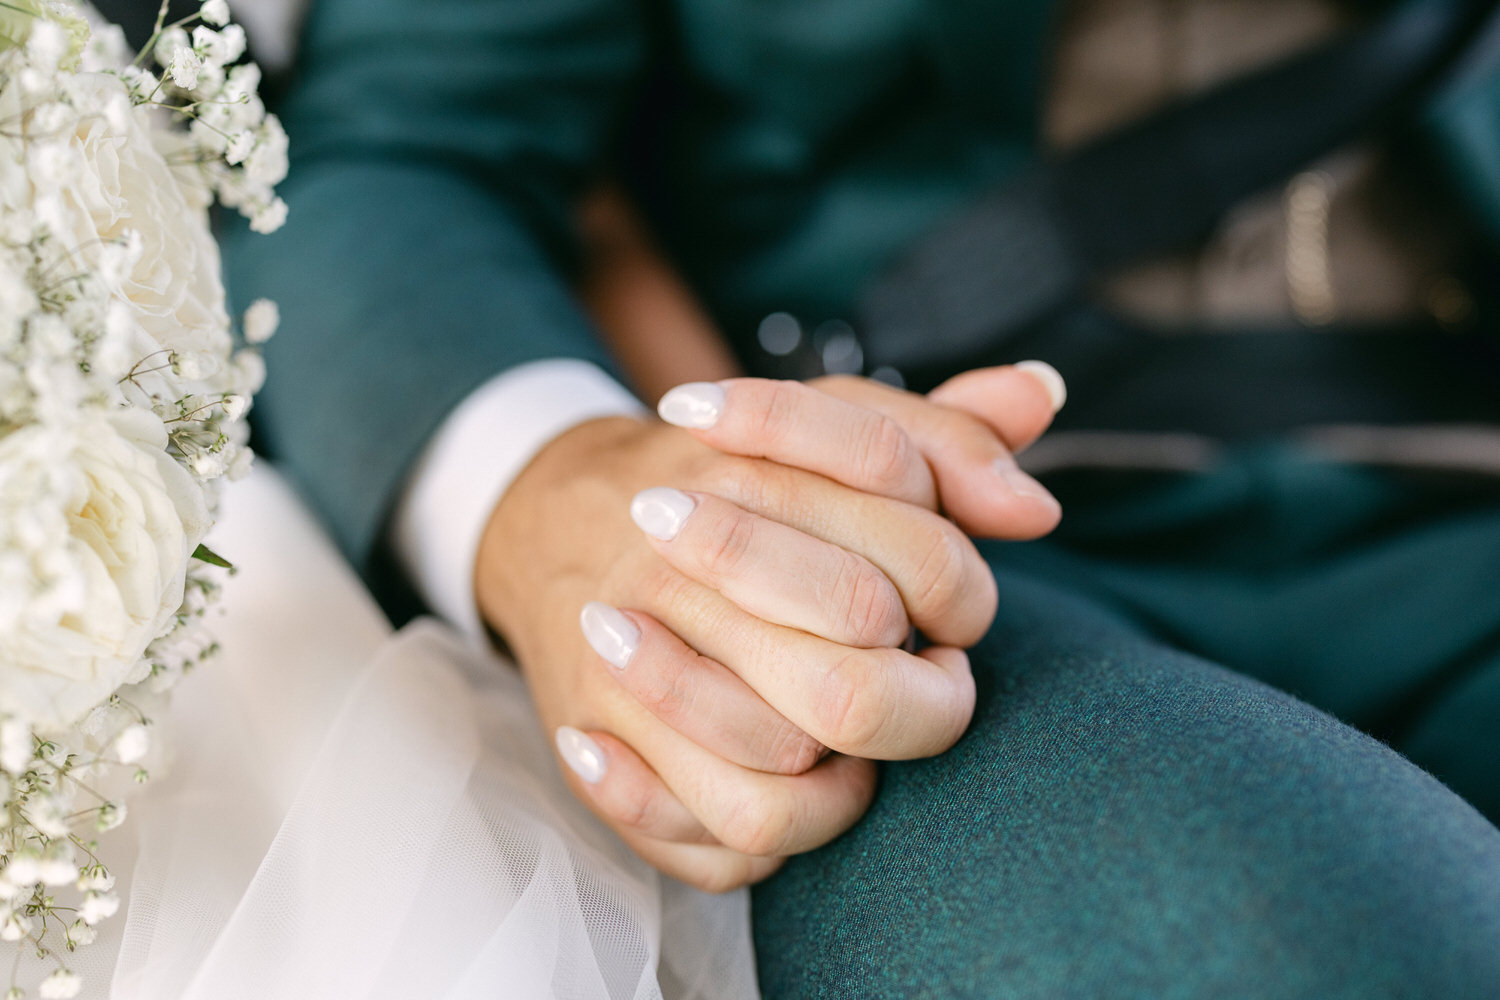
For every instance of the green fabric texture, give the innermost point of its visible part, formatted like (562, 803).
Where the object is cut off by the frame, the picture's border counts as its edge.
(1126, 818)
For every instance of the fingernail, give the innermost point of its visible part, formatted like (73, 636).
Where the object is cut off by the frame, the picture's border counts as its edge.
(1019, 482)
(611, 634)
(661, 511)
(582, 754)
(696, 404)
(1051, 379)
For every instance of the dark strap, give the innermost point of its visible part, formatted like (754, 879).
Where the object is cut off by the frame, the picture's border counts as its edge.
(1257, 384)
(1035, 242)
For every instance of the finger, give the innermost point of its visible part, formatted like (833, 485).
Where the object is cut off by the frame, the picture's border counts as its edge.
(796, 425)
(1007, 399)
(712, 869)
(945, 586)
(979, 484)
(774, 572)
(751, 812)
(698, 697)
(884, 704)
(766, 815)
(624, 790)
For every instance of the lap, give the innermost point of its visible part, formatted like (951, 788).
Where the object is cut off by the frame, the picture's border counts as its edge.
(1127, 818)
(1369, 595)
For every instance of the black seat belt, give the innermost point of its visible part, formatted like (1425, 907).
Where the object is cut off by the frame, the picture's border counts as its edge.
(1034, 243)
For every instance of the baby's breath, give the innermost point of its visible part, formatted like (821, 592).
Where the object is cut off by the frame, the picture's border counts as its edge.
(100, 368)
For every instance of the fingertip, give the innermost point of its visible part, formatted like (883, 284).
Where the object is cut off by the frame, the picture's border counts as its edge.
(950, 658)
(627, 792)
(1046, 511)
(1017, 403)
(694, 405)
(956, 663)
(583, 755)
(1051, 379)
(661, 511)
(996, 499)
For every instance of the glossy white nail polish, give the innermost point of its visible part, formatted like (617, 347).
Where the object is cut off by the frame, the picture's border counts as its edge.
(696, 404)
(1057, 389)
(661, 511)
(611, 634)
(582, 754)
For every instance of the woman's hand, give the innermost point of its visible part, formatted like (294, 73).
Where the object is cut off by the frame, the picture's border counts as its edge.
(750, 622)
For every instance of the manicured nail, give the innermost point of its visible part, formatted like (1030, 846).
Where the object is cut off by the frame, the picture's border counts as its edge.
(696, 404)
(612, 635)
(1019, 482)
(661, 511)
(582, 754)
(1057, 389)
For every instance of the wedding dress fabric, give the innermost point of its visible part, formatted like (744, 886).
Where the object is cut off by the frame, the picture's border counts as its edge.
(352, 813)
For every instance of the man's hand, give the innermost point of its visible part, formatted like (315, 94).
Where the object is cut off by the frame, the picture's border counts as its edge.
(752, 623)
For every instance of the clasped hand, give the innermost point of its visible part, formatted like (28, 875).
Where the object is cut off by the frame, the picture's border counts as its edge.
(786, 540)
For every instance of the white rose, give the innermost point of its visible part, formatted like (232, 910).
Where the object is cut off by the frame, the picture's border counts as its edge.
(125, 185)
(133, 516)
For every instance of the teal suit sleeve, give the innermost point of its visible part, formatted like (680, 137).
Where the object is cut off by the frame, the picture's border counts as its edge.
(438, 146)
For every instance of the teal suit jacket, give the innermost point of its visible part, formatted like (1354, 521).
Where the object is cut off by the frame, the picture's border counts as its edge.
(783, 150)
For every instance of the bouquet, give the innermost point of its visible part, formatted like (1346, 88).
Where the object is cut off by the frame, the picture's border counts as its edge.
(123, 394)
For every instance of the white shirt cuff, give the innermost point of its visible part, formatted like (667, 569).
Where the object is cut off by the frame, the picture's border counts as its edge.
(469, 464)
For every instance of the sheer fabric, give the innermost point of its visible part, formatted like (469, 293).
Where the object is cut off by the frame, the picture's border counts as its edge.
(356, 814)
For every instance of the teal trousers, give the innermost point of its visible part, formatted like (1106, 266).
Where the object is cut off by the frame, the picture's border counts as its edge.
(1237, 735)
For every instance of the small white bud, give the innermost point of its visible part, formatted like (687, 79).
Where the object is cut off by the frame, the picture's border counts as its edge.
(96, 879)
(195, 366)
(132, 743)
(111, 815)
(13, 926)
(61, 985)
(172, 41)
(239, 147)
(184, 68)
(215, 12)
(261, 321)
(80, 934)
(269, 218)
(97, 906)
(207, 464)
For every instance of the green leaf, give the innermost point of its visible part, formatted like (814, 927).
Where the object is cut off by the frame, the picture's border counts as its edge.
(208, 555)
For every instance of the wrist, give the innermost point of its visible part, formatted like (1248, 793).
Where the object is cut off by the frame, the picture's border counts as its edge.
(548, 533)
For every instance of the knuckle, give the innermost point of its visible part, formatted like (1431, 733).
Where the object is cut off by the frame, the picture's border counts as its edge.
(725, 542)
(937, 585)
(873, 614)
(885, 455)
(672, 693)
(851, 703)
(774, 416)
(760, 824)
(638, 811)
(792, 750)
(663, 588)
